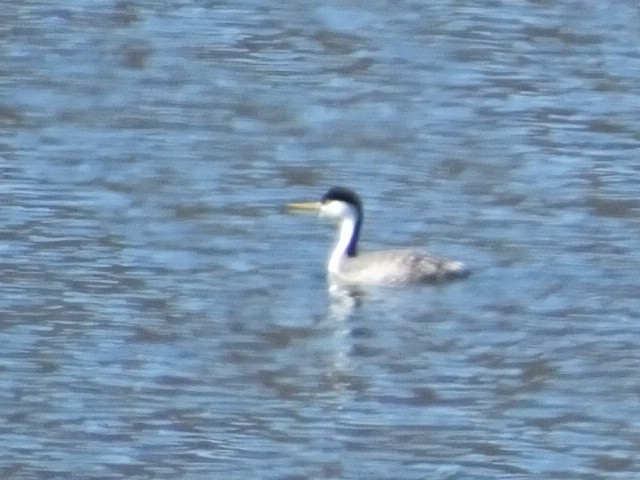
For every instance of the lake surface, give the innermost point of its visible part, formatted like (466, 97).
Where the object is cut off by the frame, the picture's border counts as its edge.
(162, 316)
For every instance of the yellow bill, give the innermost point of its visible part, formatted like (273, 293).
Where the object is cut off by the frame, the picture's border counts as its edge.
(304, 206)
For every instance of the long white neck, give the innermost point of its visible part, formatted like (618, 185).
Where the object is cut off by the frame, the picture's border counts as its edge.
(347, 230)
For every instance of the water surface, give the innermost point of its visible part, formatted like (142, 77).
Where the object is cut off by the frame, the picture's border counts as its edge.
(163, 317)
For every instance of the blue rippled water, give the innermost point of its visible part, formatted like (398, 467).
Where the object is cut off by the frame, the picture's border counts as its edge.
(163, 316)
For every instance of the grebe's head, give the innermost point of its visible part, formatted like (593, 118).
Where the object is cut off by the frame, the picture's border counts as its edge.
(344, 206)
(341, 203)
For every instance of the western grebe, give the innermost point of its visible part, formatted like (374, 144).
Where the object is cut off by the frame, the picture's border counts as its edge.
(387, 267)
